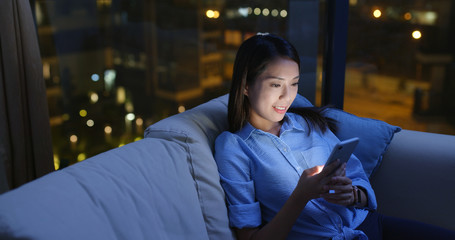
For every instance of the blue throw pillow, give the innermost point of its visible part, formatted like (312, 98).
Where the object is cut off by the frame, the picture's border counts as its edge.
(375, 135)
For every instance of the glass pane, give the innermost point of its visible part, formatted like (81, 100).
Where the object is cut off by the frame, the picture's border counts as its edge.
(113, 67)
(400, 63)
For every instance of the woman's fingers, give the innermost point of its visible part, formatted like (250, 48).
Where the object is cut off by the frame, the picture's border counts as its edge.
(345, 200)
(339, 185)
(331, 168)
(340, 180)
(339, 197)
(339, 191)
(340, 171)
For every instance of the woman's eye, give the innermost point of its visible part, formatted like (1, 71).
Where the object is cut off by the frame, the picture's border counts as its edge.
(275, 85)
(295, 84)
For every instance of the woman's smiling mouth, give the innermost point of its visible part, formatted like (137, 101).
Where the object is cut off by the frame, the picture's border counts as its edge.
(279, 109)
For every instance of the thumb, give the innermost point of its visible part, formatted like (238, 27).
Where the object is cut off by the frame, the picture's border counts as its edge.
(314, 170)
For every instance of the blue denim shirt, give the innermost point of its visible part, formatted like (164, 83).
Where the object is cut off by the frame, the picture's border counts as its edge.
(259, 171)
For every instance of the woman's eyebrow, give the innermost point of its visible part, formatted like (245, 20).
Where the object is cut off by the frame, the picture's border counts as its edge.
(280, 78)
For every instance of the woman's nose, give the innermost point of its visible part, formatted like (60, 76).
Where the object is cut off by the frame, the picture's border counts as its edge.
(285, 93)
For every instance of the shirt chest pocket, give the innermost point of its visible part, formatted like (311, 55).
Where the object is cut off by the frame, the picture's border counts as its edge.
(316, 155)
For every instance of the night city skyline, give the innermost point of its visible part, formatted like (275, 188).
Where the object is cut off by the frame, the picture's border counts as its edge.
(112, 68)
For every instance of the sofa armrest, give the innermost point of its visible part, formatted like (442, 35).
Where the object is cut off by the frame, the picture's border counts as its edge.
(416, 179)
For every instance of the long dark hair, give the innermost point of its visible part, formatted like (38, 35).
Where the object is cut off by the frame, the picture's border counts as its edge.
(252, 58)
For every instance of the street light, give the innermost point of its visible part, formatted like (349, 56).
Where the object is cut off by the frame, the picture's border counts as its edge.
(416, 34)
(377, 13)
(212, 14)
(407, 16)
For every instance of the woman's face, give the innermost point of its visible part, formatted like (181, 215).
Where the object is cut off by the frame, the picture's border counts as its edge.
(272, 94)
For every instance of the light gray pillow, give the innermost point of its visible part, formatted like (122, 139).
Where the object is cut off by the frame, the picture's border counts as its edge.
(196, 130)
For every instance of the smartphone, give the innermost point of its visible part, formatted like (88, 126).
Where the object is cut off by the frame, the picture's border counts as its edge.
(343, 151)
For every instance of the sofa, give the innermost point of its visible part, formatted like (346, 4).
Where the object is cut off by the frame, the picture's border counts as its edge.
(166, 186)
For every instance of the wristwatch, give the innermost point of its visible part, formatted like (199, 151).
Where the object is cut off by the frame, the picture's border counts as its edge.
(357, 195)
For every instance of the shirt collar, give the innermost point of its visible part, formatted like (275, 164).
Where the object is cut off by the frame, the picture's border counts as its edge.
(289, 122)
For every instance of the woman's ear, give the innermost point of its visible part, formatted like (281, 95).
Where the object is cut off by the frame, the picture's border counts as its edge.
(245, 91)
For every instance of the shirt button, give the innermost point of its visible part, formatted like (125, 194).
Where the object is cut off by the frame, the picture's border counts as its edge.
(285, 149)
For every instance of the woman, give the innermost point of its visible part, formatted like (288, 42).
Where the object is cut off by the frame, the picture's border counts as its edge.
(271, 161)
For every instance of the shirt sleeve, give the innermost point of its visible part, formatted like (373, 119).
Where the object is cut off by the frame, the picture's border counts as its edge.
(355, 171)
(234, 166)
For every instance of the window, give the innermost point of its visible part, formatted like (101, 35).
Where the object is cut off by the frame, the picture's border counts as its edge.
(400, 63)
(113, 67)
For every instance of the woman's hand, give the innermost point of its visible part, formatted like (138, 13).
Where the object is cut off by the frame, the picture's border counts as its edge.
(315, 181)
(339, 191)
